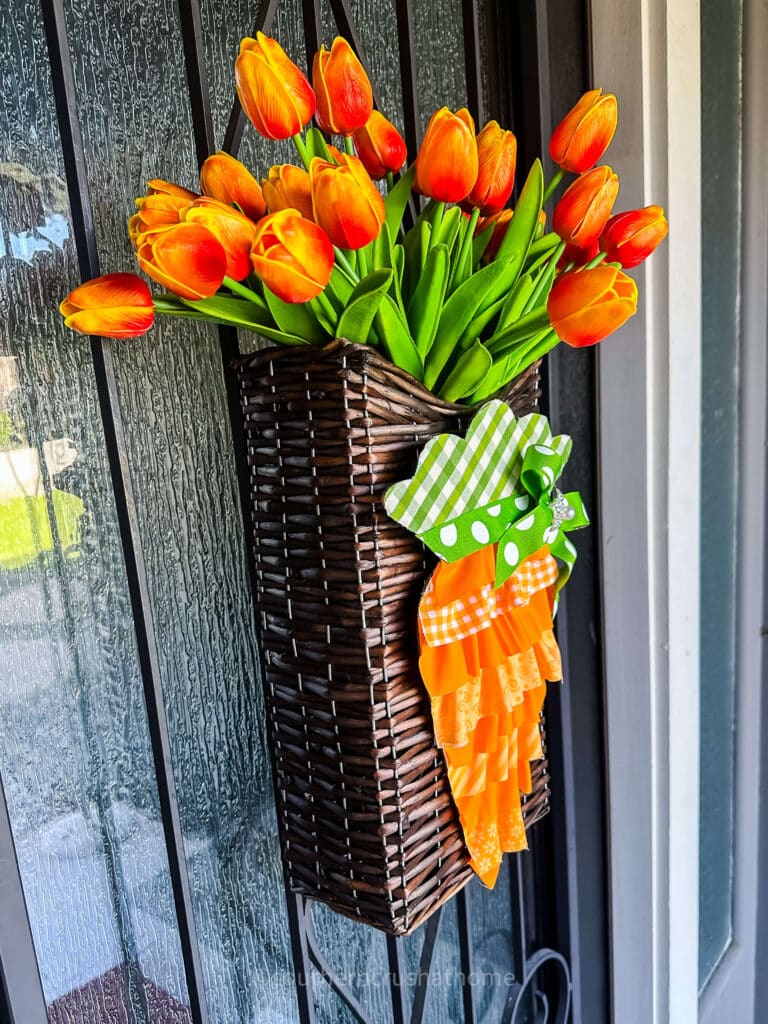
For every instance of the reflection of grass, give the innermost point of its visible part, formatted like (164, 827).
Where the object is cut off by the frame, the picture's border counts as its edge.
(25, 527)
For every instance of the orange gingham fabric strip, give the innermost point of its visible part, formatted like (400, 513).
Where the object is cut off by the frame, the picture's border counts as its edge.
(469, 614)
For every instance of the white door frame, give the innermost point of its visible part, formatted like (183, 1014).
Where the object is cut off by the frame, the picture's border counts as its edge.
(648, 53)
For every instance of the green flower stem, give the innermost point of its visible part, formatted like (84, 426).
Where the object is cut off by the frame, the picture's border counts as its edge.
(390, 181)
(240, 289)
(348, 147)
(469, 236)
(557, 177)
(363, 261)
(596, 261)
(345, 266)
(327, 307)
(546, 277)
(301, 148)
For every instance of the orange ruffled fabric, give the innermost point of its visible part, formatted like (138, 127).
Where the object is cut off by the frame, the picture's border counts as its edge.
(486, 656)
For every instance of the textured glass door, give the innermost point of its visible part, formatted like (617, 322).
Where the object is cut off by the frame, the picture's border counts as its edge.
(133, 756)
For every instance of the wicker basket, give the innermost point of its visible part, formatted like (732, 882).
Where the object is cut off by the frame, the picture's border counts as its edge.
(366, 819)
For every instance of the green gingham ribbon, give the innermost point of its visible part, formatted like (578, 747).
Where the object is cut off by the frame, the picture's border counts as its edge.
(521, 523)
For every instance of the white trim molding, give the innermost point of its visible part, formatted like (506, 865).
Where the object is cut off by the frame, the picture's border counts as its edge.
(648, 53)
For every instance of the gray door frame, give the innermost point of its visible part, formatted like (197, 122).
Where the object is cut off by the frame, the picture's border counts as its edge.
(731, 991)
(648, 53)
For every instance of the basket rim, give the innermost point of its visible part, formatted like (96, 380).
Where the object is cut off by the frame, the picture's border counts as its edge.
(369, 355)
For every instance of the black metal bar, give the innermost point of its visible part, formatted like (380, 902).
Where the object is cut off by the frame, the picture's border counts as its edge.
(64, 92)
(191, 26)
(21, 992)
(313, 29)
(348, 29)
(472, 60)
(396, 981)
(317, 957)
(463, 914)
(237, 119)
(407, 53)
(420, 992)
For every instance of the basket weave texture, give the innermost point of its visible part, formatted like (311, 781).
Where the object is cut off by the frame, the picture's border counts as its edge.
(366, 819)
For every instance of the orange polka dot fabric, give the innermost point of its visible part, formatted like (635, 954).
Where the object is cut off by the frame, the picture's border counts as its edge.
(486, 656)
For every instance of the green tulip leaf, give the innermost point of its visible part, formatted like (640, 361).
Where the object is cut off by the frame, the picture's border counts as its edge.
(357, 319)
(515, 302)
(468, 373)
(448, 230)
(381, 250)
(427, 300)
(295, 318)
(543, 245)
(395, 337)
(397, 200)
(485, 287)
(480, 243)
(228, 309)
(317, 146)
(522, 227)
(498, 375)
(339, 288)
(480, 322)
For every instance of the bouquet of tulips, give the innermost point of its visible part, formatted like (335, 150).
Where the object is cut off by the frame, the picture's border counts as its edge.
(429, 266)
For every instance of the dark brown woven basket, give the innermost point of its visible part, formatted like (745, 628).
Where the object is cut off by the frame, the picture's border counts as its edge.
(366, 819)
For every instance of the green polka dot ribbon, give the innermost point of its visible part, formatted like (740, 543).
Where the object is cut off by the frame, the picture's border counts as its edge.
(494, 486)
(520, 524)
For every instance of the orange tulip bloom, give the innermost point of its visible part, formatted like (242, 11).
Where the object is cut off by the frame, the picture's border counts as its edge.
(273, 92)
(185, 258)
(497, 154)
(585, 207)
(292, 256)
(226, 179)
(344, 95)
(161, 187)
(631, 237)
(380, 146)
(585, 306)
(447, 164)
(112, 306)
(157, 210)
(233, 230)
(585, 132)
(345, 202)
(288, 188)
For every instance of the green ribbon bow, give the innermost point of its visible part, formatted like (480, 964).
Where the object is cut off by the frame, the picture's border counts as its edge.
(521, 523)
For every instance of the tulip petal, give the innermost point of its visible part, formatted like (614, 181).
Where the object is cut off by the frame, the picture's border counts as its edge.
(187, 259)
(109, 290)
(590, 326)
(115, 322)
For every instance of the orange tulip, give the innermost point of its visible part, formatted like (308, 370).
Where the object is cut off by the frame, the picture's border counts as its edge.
(380, 146)
(345, 202)
(631, 237)
(157, 210)
(585, 306)
(112, 306)
(161, 187)
(447, 163)
(344, 95)
(185, 258)
(273, 92)
(226, 179)
(292, 256)
(233, 230)
(497, 155)
(582, 212)
(288, 188)
(585, 132)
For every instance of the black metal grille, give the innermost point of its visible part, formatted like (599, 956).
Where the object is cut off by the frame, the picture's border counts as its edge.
(542, 985)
